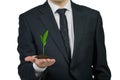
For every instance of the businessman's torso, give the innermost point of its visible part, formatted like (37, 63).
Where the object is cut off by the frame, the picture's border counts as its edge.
(41, 18)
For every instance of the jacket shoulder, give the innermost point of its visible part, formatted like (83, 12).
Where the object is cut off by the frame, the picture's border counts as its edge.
(85, 9)
(32, 12)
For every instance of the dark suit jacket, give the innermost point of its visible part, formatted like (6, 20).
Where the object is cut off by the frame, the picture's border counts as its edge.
(89, 55)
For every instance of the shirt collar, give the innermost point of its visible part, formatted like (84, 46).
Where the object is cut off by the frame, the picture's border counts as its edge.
(56, 7)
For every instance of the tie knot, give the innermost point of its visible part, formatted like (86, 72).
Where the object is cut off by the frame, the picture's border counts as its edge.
(61, 11)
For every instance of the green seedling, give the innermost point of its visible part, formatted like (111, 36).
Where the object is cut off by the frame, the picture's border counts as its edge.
(43, 39)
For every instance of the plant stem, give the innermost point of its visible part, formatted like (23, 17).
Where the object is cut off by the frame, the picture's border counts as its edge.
(43, 51)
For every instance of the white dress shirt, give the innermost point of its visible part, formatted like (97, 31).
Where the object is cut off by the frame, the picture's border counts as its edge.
(69, 16)
(69, 20)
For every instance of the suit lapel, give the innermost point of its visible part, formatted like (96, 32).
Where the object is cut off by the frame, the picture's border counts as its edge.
(50, 23)
(78, 30)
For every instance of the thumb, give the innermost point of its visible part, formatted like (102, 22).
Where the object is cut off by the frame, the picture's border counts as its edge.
(30, 59)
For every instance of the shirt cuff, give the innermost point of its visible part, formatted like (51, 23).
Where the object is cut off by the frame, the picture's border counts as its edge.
(38, 69)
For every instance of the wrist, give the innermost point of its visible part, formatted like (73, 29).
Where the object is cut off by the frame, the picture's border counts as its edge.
(38, 69)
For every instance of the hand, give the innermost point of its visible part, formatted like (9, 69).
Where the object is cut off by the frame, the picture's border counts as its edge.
(42, 63)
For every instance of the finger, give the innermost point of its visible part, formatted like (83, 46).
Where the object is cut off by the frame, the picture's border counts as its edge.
(40, 62)
(30, 58)
(50, 62)
(44, 62)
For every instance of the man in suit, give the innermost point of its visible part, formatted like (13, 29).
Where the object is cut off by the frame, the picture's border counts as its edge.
(75, 42)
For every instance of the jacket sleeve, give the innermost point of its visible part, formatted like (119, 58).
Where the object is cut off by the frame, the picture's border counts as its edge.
(25, 48)
(101, 70)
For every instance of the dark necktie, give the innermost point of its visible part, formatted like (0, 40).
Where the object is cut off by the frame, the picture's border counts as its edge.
(64, 31)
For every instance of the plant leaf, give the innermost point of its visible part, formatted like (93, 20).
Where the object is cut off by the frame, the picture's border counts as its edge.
(44, 43)
(44, 39)
(41, 38)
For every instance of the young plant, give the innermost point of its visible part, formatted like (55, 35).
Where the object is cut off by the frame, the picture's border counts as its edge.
(43, 39)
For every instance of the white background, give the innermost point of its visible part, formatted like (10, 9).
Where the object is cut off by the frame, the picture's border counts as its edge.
(10, 10)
